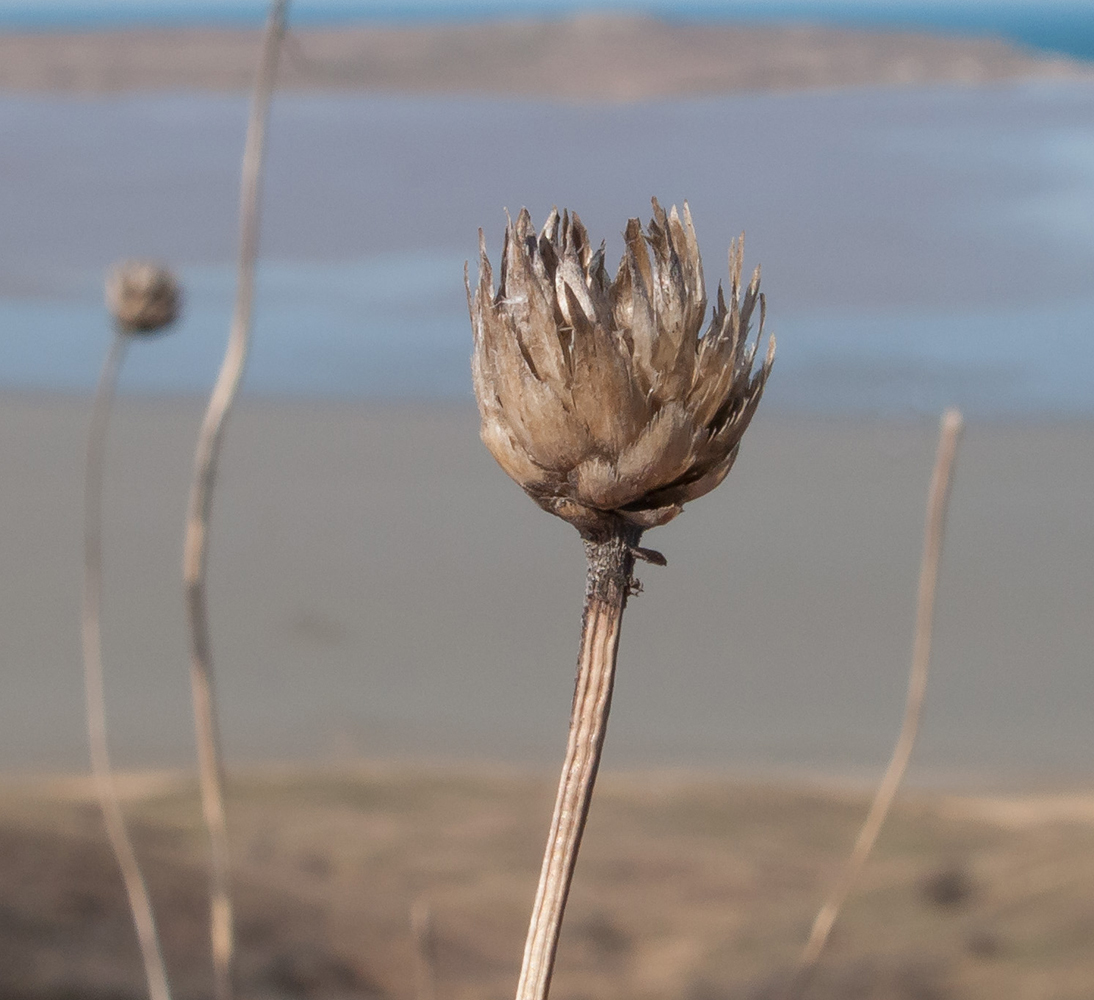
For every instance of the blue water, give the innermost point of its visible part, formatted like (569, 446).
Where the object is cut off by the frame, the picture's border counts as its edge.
(920, 247)
(1063, 26)
(392, 328)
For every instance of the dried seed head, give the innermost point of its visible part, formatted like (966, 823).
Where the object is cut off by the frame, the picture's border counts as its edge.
(601, 397)
(142, 296)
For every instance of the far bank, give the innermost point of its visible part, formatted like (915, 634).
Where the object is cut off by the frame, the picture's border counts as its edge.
(591, 57)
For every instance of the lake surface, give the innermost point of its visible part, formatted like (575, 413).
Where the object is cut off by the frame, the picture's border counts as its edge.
(920, 247)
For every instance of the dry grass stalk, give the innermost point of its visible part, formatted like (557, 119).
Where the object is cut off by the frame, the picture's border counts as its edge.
(602, 401)
(143, 298)
(421, 932)
(210, 438)
(937, 505)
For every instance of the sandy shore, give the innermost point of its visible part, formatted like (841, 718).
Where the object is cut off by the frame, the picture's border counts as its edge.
(590, 57)
(380, 588)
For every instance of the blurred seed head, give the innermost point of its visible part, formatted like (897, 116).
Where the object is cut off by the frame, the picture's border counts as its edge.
(603, 398)
(142, 296)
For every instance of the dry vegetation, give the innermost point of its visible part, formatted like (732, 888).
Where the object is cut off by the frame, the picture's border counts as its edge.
(691, 888)
(696, 888)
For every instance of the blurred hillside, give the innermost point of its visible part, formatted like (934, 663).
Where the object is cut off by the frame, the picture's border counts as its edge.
(689, 888)
(592, 57)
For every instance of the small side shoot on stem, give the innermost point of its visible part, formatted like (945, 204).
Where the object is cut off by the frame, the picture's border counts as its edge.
(607, 403)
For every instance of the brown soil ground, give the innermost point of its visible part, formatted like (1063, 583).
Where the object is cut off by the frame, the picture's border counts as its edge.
(586, 58)
(688, 887)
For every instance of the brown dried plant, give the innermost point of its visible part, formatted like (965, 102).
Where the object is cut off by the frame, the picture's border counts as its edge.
(938, 498)
(195, 550)
(143, 298)
(607, 403)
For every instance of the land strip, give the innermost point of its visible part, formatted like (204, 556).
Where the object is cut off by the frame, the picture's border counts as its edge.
(592, 57)
(689, 886)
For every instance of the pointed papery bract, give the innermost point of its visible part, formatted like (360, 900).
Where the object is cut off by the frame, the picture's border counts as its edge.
(663, 452)
(603, 398)
(599, 485)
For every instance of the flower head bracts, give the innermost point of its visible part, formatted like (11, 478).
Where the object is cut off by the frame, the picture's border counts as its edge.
(603, 398)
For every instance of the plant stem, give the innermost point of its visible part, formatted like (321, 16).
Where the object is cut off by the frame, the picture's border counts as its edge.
(937, 504)
(210, 438)
(421, 930)
(608, 584)
(135, 888)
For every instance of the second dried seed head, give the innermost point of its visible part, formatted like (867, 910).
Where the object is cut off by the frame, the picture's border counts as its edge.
(604, 399)
(142, 296)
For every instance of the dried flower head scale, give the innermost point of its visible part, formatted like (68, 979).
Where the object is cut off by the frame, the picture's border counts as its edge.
(612, 408)
(142, 296)
(604, 399)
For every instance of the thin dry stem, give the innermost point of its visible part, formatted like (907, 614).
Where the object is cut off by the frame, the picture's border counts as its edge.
(139, 904)
(937, 504)
(610, 562)
(210, 768)
(421, 930)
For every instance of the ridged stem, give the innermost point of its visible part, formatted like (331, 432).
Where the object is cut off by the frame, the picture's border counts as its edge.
(937, 505)
(139, 904)
(608, 584)
(210, 439)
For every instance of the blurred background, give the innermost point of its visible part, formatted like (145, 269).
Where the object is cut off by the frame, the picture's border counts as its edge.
(918, 184)
(395, 624)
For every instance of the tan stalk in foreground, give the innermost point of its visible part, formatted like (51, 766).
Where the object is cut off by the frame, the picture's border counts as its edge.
(421, 932)
(142, 298)
(604, 403)
(937, 505)
(195, 550)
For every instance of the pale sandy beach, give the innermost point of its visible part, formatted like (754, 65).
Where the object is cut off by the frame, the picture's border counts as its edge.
(380, 588)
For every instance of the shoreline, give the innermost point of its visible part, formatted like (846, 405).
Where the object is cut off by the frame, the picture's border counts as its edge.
(586, 58)
(783, 418)
(1066, 794)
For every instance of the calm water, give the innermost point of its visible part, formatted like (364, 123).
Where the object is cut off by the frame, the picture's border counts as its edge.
(919, 247)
